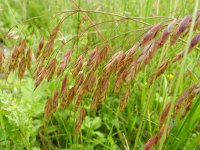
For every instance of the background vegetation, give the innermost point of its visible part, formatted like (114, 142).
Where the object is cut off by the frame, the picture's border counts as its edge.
(122, 23)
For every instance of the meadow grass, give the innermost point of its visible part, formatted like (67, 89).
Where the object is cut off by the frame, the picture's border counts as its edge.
(121, 24)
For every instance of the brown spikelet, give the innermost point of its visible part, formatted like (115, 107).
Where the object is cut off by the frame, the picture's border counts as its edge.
(29, 58)
(2, 57)
(164, 114)
(96, 96)
(55, 101)
(178, 57)
(64, 62)
(22, 67)
(79, 97)
(78, 65)
(47, 108)
(40, 77)
(103, 55)
(130, 72)
(100, 91)
(124, 99)
(38, 68)
(151, 142)
(182, 27)
(90, 80)
(64, 85)
(182, 100)
(160, 133)
(195, 41)
(48, 49)
(51, 105)
(13, 60)
(79, 120)
(70, 96)
(184, 24)
(40, 46)
(93, 59)
(22, 48)
(129, 55)
(150, 34)
(159, 71)
(118, 83)
(187, 108)
(50, 69)
(104, 87)
(79, 82)
(147, 53)
(113, 62)
(55, 31)
(166, 33)
(63, 101)
(143, 59)
(156, 138)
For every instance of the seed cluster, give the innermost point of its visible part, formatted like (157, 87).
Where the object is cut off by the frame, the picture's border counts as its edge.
(181, 108)
(91, 79)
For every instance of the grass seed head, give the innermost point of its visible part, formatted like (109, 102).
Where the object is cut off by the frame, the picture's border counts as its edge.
(40, 46)
(64, 62)
(112, 64)
(47, 108)
(93, 60)
(103, 55)
(29, 58)
(55, 31)
(124, 99)
(13, 60)
(164, 114)
(40, 77)
(159, 71)
(182, 27)
(50, 69)
(48, 49)
(79, 120)
(129, 55)
(79, 82)
(195, 41)
(64, 85)
(78, 65)
(151, 142)
(150, 34)
(70, 96)
(182, 100)
(79, 97)
(55, 101)
(178, 57)
(22, 48)
(22, 67)
(166, 33)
